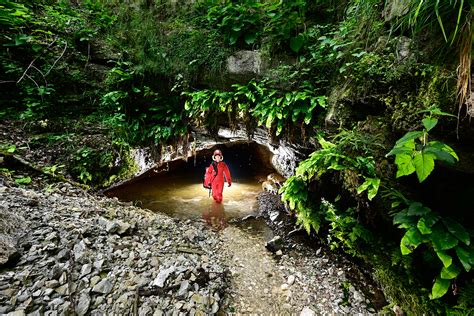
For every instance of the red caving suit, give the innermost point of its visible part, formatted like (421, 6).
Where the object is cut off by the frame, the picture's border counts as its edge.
(218, 182)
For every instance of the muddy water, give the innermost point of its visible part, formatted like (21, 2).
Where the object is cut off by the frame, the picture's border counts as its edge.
(183, 196)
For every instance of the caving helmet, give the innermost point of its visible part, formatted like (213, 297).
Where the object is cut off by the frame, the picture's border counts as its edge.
(217, 152)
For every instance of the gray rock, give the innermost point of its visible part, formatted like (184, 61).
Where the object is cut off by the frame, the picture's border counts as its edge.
(18, 312)
(162, 276)
(62, 290)
(291, 280)
(275, 244)
(183, 288)
(307, 311)
(98, 264)
(83, 304)
(245, 62)
(79, 250)
(86, 269)
(51, 284)
(103, 287)
(63, 255)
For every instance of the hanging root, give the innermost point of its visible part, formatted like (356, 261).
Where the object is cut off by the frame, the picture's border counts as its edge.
(464, 85)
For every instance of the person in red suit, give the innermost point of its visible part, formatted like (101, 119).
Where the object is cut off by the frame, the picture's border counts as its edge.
(215, 176)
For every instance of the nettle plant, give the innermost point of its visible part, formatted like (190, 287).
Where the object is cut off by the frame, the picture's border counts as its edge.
(414, 152)
(448, 239)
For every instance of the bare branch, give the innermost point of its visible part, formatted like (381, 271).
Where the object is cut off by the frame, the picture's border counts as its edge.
(54, 64)
(29, 77)
(44, 77)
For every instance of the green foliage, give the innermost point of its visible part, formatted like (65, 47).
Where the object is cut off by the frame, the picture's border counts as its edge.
(246, 23)
(448, 239)
(329, 158)
(23, 180)
(272, 108)
(423, 14)
(415, 153)
(13, 14)
(345, 230)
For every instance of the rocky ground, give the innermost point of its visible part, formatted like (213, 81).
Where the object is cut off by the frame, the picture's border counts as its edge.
(69, 252)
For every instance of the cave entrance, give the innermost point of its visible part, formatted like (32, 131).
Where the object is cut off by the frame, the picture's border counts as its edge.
(175, 188)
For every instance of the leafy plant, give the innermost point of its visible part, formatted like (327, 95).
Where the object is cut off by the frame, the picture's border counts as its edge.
(415, 153)
(295, 191)
(13, 14)
(23, 180)
(345, 230)
(270, 107)
(448, 239)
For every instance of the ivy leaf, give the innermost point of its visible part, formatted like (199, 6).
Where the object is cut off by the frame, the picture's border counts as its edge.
(442, 239)
(440, 288)
(416, 208)
(429, 122)
(424, 164)
(446, 259)
(410, 241)
(249, 38)
(465, 258)
(405, 165)
(296, 43)
(457, 230)
(426, 222)
(450, 272)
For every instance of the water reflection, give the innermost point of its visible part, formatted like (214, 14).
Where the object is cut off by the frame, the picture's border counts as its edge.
(214, 216)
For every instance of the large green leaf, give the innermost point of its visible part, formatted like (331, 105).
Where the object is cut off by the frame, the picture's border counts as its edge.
(442, 152)
(465, 258)
(450, 272)
(424, 164)
(405, 165)
(409, 136)
(426, 222)
(250, 38)
(406, 147)
(442, 239)
(429, 122)
(404, 220)
(416, 208)
(410, 241)
(296, 43)
(457, 230)
(440, 288)
(446, 259)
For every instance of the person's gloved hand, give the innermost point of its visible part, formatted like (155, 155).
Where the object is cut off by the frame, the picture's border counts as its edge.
(229, 184)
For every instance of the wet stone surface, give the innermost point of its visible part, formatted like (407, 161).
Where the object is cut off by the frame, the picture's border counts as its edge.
(90, 255)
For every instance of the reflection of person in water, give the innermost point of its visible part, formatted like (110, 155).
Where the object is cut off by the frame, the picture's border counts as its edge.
(214, 216)
(215, 175)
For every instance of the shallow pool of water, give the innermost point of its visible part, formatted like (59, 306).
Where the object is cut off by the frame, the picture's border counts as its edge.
(184, 197)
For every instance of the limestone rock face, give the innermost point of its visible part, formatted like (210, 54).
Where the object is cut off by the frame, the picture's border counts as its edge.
(396, 8)
(246, 62)
(11, 227)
